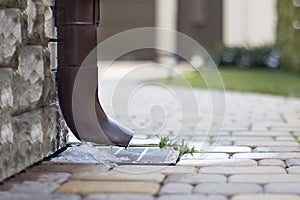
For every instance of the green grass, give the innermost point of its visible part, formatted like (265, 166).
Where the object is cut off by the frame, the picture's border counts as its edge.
(257, 80)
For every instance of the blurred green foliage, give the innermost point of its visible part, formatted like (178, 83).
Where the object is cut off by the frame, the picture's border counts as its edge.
(288, 37)
(264, 57)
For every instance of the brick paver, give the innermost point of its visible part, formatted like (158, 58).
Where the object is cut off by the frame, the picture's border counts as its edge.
(259, 156)
(34, 187)
(192, 197)
(205, 156)
(228, 189)
(242, 170)
(90, 187)
(293, 170)
(119, 176)
(167, 170)
(283, 188)
(218, 162)
(265, 178)
(67, 167)
(195, 179)
(258, 134)
(255, 156)
(176, 188)
(293, 162)
(128, 196)
(277, 149)
(272, 162)
(266, 143)
(265, 197)
(37, 196)
(227, 149)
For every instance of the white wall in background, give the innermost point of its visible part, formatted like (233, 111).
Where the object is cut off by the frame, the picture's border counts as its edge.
(166, 17)
(249, 22)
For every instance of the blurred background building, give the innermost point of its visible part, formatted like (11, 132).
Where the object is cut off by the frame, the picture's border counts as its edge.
(249, 23)
(211, 23)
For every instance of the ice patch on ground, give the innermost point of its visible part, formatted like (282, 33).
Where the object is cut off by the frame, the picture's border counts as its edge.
(87, 153)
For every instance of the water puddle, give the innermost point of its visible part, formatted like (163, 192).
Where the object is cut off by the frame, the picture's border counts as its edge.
(88, 153)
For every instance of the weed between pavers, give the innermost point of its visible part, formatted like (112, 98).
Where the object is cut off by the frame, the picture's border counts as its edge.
(180, 146)
(296, 138)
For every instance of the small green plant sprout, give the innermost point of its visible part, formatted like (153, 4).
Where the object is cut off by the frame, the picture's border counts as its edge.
(182, 146)
(296, 138)
(166, 142)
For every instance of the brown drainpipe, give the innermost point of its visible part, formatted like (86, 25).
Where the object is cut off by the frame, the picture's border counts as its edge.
(77, 22)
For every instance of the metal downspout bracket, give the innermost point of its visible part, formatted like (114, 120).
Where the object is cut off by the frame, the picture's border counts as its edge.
(77, 22)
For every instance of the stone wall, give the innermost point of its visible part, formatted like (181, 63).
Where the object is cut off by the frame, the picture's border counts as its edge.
(31, 127)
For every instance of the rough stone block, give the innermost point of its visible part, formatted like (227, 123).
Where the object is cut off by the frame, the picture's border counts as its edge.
(6, 144)
(6, 94)
(49, 90)
(40, 21)
(13, 4)
(28, 80)
(26, 139)
(6, 132)
(10, 36)
(49, 28)
(53, 55)
(50, 130)
(35, 22)
(46, 2)
(49, 93)
(26, 85)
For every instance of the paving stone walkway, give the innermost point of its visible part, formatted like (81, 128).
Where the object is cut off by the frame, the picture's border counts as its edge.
(256, 156)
